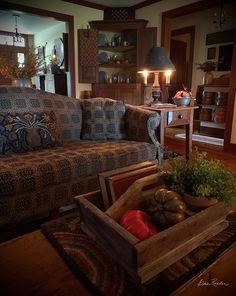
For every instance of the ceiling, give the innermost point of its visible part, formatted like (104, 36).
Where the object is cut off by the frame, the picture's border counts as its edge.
(26, 23)
(32, 24)
(117, 3)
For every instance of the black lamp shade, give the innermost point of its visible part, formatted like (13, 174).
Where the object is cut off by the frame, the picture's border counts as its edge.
(158, 61)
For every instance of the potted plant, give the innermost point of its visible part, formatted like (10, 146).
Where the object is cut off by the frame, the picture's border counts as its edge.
(207, 68)
(20, 73)
(201, 180)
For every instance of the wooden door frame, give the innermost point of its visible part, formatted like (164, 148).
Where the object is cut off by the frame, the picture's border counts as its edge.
(229, 147)
(57, 16)
(191, 31)
(167, 16)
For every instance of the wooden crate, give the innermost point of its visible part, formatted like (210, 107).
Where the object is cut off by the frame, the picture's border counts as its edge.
(145, 259)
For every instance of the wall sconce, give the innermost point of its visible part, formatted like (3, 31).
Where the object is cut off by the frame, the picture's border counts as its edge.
(157, 61)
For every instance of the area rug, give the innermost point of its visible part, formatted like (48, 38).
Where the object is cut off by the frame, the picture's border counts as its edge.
(103, 276)
(204, 139)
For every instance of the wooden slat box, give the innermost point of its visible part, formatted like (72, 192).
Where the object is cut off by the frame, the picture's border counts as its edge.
(143, 260)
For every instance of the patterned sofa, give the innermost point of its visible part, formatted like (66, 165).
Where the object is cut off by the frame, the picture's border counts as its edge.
(35, 180)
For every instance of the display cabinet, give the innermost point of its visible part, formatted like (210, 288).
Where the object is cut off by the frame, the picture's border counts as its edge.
(110, 55)
(212, 101)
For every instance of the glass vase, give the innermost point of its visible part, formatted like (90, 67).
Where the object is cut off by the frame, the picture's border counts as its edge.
(208, 78)
(22, 82)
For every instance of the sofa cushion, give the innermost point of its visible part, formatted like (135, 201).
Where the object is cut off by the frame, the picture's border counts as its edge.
(67, 110)
(28, 131)
(103, 119)
(30, 171)
(94, 126)
(115, 124)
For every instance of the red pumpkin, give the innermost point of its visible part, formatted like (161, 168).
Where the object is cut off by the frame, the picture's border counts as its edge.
(138, 223)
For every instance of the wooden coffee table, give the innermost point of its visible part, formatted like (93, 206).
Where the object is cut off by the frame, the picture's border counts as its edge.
(29, 265)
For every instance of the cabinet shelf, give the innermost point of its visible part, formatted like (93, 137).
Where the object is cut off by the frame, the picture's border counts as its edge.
(212, 116)
(121, 65)
(212, 106)
(117, 48)
(97, 61)
(212, 124)
(216, 85)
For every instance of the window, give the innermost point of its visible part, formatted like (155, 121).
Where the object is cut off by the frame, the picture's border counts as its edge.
(20, 58)
(7, 39)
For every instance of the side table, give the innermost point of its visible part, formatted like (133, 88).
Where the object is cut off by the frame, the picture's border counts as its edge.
(176, 116)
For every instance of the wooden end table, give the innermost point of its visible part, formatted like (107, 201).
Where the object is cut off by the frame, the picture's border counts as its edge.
(176, 116)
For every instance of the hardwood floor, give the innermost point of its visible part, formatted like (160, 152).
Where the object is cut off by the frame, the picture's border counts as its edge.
(213, 152)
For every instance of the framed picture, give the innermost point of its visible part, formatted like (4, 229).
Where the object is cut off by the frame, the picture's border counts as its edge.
(41, 52)
(225, 57)
(220, 37)
(211, 53)
(41, 58)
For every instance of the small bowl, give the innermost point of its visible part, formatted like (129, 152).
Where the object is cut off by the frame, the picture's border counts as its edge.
(184, 101)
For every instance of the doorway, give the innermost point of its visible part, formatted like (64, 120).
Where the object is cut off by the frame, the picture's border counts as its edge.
(181, 54)
(167, 17)
(68, 19)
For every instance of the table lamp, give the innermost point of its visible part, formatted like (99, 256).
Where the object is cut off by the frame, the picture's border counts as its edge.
(157, 61)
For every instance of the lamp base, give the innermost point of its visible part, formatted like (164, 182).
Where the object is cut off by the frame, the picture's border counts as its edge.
(156, 94)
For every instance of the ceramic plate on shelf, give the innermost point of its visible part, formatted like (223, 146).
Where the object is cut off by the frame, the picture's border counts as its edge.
(103, 57)
(102, 77)
(102, 40)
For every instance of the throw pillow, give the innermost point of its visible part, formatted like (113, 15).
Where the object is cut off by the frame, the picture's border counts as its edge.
(28, 131)
(94, 127)
(103, 119)
(115, 124)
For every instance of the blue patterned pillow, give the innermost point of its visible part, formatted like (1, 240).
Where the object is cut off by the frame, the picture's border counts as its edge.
(103, 119)
(115, 124)
(94, 127)
(28, 131)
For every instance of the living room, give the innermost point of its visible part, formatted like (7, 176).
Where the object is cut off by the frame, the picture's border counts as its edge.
(65, 22)
(72, 82)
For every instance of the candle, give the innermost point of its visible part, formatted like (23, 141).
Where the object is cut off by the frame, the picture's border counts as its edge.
(145, 74)
(168, 73)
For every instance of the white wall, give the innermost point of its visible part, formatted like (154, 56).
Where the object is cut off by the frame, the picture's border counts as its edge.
(153, 13)
(48, 36)
(203, 22)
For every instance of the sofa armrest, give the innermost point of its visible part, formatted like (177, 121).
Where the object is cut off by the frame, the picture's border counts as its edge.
(141, 126)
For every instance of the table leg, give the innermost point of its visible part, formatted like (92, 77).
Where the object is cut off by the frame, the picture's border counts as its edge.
(189, 132)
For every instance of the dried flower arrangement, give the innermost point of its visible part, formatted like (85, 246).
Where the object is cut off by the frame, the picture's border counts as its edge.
(207, 66)
(14, 70)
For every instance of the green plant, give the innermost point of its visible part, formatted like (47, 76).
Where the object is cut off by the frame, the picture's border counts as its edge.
(201, 177)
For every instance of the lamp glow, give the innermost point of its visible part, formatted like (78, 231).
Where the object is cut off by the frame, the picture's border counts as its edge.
(145, 74)
(167, 74)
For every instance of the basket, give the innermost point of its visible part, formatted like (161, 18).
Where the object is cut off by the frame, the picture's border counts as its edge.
(143, 260)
